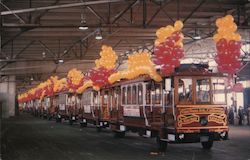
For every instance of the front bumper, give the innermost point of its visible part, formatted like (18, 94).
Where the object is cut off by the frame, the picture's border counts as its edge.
(203, 136)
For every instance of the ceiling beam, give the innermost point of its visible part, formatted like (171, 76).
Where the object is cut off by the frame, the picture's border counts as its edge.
(124, 11)
(14, 25)
(194, 10)
(15, 36)
(3, 13)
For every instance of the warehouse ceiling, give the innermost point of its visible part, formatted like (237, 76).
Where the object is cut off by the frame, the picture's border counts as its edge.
(36, 36)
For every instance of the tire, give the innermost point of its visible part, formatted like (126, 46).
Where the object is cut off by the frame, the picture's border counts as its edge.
(98, 129)
(84, 124)
(119, 134)
(141, 133)
(161, 145)
(70, 122)
(207, 145)
(58, 120)
(49, 118)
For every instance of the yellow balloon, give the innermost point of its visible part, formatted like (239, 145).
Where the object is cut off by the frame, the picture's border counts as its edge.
(218, 22)
(96, 88)
(178, 25)
(229, 18)
(232, 27)
(216, 37)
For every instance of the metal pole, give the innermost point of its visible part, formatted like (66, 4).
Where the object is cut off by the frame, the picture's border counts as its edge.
(59, 6)
(178, 9)
(1, 27)
(124, 11)
(144, 13)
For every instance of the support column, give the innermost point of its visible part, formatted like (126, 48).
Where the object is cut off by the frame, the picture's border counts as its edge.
(8, 97)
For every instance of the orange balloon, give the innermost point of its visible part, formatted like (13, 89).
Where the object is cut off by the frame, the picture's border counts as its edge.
(229, 18)
(178, 25)
(218, 22)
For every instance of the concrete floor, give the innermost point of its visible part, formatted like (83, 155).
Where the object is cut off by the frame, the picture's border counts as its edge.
(29, 138)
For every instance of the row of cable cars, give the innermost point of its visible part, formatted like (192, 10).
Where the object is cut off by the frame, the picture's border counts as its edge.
(188, 107)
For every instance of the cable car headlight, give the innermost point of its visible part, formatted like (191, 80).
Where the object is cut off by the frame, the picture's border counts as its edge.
(203, 121)
(181, 136)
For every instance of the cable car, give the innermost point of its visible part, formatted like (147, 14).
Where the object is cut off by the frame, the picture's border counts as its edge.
(96, 108)
(187, 107)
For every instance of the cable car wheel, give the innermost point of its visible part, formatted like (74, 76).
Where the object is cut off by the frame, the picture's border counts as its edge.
(119, 134)
(207, 145)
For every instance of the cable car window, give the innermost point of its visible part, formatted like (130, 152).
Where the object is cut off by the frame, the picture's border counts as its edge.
(140, 96)
(134, 93)
(168, 98)
(105, 97)
(116, 98)
(129, 95)
(185, 90)
(156, 94)
(218, 91)
(203, 90)
(124, 95)
(95, 94)
(148, 95)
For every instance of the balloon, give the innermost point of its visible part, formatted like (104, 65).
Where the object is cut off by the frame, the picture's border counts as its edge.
(218, 22)
(108, 58)
(138, 64)
(178, 25)
(229, 18)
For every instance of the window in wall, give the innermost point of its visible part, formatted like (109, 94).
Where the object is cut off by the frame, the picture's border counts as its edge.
(203, 90)
(134, 93)
(218, 91)
(148, 95)
(185, 89)
(129, 97)
(124, 95)
(140, 96)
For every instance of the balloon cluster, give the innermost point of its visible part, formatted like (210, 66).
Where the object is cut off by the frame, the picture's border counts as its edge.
(100, 76)
(49, 87)
(138, 64)
(86, 84)
(59, 85)
(169, 47)
(108, 58)
(228, 45)
(39, 92)
(104, 68)
(75, 79)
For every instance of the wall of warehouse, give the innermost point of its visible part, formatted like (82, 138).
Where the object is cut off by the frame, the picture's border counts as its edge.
(8, 97)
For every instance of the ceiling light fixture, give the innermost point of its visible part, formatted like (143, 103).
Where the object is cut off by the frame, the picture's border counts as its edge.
(197, 37)
(83, 23)
(98, 35)
(60, 61)
(44, 54)
(196, 34)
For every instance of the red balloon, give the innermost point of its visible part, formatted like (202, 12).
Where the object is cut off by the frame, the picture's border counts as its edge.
(221, 45)
(234, 45)
(176, 36)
